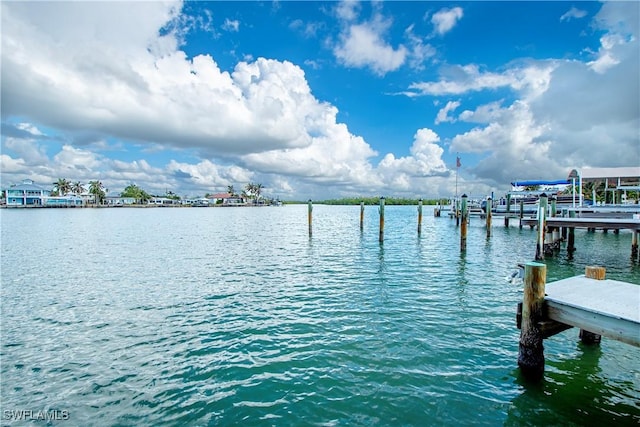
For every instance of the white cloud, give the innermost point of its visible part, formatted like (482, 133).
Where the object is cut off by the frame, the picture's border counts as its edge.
(363, 45)
(348, 10)
(425, 160)
(445, 19)
(573, 13)
(443, 114)
(231, 25)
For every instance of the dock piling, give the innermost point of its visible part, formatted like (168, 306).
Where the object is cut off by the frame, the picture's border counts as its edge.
(634, 245)
(310, 216)
(463, 224)
(521, 212)
(419, 216)
(488, 218)
(571, 239)
(507, 214)
(531, 348)
(542, 227)
(598, 273)
(361, 215)
(381, 209)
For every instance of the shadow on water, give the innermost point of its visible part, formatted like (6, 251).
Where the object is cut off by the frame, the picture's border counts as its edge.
(574, 393)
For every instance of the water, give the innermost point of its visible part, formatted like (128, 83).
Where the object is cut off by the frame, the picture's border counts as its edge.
(226, 316)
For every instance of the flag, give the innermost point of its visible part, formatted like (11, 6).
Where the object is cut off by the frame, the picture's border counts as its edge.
(458, 164)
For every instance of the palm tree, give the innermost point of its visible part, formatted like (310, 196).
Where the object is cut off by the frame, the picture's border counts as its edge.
(257, 190)
(97, 189)
(62, 186)
(231, 190)
(77, 188)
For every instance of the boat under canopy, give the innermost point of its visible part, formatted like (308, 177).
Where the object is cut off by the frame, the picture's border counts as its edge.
(532, 183)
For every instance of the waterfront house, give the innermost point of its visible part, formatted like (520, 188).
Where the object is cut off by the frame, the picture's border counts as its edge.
(113, 200)
(226, 199)
(26, 194)
(69, 200)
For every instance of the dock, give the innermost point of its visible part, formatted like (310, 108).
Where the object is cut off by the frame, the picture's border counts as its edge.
(598, 306)
(550, 237)
(597, 223)
(606, 307)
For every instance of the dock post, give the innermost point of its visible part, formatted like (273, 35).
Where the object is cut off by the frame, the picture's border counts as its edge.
(419, 216)
(555, 231)
(361, 215)
(542, 215)
(506, 215)
(597, 273)
(489, 204)
(571, 239)
(634, 245)
(531, 348)
(463, 224)
(381, 209)
(521, 212)
(457, 213)
(310, 209)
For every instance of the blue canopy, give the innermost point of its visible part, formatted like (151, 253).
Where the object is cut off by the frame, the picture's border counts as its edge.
(529, 183)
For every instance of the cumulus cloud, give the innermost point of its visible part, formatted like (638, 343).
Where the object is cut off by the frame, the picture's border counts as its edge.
(363, 45)
(425, 161)
(445, 19)
(565, 112)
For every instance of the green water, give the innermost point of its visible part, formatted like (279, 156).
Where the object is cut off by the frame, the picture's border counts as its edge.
(227, 316)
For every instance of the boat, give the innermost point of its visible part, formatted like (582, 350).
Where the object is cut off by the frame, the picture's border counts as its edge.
(529, 199)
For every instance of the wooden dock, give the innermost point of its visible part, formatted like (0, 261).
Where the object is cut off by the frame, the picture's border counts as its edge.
(597, 223)
(606, 307)
(598, 306)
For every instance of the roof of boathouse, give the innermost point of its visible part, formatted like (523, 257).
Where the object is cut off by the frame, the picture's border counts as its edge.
(632, 173)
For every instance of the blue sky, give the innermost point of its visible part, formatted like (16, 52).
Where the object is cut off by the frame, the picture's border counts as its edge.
(317, 99)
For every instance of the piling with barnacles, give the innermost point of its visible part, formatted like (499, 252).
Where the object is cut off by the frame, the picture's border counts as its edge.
(361, 215)
(531, 348)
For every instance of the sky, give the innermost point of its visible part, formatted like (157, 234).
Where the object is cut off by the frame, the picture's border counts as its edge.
(317, 100)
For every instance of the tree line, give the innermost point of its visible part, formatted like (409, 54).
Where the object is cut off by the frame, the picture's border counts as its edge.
(62, 187)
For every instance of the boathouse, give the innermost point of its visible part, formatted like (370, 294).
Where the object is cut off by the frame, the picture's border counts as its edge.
(617, 181)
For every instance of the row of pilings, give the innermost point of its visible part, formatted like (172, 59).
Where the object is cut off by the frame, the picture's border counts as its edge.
(463, 221)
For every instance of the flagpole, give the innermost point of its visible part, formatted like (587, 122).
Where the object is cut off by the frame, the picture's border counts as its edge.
(457, 167)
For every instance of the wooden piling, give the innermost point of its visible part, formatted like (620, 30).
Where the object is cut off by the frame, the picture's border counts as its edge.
(531, 348)
(571, 239)
(506, 215)
(361, 215)
(634, 245)
(521, 212)
(463, 224)
(381, 219)
(310, 209)
(420, 216)
(542, 215)
(488, 218)
(598, 273)
(457, 213)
